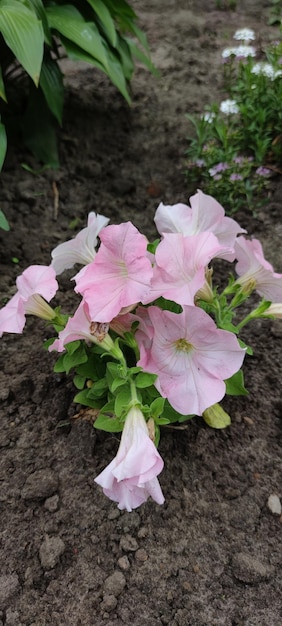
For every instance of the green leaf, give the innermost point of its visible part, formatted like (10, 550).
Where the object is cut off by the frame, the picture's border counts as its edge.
(98, 388)
(157, 407)
(108, 423)
(3, 145)
(82, 397)
(106, 19)
(144, 380)
(23, 34)
(235, 385)
(41, 14)
(2, 87)
(51, 83)
(4, 224)
(70, 23)
(79, 381)
(216, 417)
(38, 128)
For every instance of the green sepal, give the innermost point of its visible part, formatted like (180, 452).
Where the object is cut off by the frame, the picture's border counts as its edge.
(152, 246)
(216, 417)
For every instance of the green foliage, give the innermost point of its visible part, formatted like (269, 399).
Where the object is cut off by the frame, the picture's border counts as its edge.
(35, 34)
(237, 145)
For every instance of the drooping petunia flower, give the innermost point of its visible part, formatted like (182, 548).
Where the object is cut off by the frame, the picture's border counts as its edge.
(80, 249)
(80, 327)
(204, 215)
(190, 356)
(37, 285)
(179, 269)
(120, 274)
(255, 272)
(131, 477)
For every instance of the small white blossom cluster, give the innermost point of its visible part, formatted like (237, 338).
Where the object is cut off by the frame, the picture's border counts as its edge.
(240, 52)
(209, 116)
(266, 69)
(229, 107)
(244, 34)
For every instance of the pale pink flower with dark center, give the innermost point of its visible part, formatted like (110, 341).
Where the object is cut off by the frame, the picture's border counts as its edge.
(204, 215)
(120, 274)
(255, 272)
(131, 477)
(82, 248)
(190, 355)
(37, 285)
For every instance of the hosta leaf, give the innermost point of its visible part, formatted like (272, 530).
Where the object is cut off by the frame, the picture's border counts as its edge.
(23, 34)
(51, 83)
(40, 12)
(106, 19)
(2, 87)
(72, 25)
(114, 70)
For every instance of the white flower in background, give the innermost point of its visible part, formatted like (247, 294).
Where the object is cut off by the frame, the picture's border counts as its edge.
(229, 107)
(244, 34)
(208, 117)
(266, 69)
(240, 52)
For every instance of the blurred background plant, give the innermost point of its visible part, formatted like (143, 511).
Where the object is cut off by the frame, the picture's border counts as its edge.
(237, 144)
(275, 14)
(34, 36)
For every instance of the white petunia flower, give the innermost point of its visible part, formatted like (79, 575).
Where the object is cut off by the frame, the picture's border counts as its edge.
(229, 107)
(244, 34)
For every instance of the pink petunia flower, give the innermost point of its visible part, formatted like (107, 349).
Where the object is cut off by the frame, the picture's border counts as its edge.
(36, 285)
(190, 356)
(120, 274)
(180, 262)
(131, 477)
(204, 215)
(80, 249)
(255, 272)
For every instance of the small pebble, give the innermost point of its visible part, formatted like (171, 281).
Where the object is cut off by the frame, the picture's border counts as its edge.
(50, 551)
(128, 544)
(141, 555)
(124, 563)
(274, 504)
(9, 584)
(114, 584)
(51, 504)
(249, 569)
(40, 485)
(109, 603)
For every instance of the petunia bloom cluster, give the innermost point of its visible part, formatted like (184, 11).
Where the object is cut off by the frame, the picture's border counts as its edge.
(153, 340)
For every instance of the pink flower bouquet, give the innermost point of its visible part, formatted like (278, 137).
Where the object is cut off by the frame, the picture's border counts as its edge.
(152, 340)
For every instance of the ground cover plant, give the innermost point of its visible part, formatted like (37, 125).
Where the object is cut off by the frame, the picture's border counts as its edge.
(153, 341)
(238, 147)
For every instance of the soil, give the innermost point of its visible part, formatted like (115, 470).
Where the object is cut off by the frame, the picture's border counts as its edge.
(211, 555)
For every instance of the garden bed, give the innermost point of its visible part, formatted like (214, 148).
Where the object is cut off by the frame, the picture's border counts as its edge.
(211, 555)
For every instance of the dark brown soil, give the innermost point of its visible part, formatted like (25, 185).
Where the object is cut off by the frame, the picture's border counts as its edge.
(211, 555)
